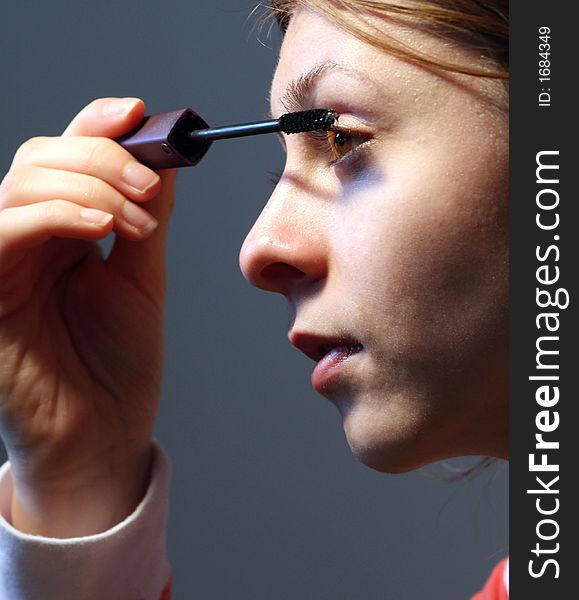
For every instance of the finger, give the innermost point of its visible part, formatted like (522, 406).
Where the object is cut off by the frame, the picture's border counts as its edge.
(96, 156)
(28, 185)
(25, 227)
(107, 117)
(144, 262)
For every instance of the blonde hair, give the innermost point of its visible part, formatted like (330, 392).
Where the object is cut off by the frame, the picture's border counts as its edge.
(480, 25)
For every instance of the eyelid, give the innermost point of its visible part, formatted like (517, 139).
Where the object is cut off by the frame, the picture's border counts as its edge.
(321, 139)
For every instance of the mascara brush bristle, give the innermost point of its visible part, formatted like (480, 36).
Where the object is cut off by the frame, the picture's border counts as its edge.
(308, 120)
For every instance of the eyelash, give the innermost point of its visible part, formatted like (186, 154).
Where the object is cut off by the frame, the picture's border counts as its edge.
(321, 140)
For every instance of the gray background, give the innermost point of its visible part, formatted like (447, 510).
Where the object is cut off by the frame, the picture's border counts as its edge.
(267, 501)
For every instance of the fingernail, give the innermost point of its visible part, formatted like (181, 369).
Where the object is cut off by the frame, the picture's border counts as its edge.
(119, 107)
(96, 217)
(137, 217)
(139, 177)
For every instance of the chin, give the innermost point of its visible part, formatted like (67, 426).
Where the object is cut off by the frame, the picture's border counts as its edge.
(385, 448)
(385, 458)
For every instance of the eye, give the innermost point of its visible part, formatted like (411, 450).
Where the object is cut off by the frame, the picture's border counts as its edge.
(342, 143)
(339, 143)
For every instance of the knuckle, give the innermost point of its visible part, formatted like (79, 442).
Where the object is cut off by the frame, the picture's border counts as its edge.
(98, 152)
(50, 211)
(27, 149)
(92, 105)
(98, 194)
(96, 106)
(92, 192)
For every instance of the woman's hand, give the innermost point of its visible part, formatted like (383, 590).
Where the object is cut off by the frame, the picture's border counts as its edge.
(80, 336)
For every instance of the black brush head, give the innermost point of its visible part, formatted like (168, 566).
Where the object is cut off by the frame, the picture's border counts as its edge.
(308, 120)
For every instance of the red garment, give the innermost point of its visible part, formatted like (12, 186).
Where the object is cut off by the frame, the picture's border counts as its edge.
(166, 595)
(495, 588)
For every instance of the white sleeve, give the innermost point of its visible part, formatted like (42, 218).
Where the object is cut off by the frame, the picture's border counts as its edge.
(127, 562)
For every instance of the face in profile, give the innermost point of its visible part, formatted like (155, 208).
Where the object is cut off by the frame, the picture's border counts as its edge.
(389, 240)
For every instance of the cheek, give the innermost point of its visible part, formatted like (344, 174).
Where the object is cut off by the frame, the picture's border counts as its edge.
(423, 256)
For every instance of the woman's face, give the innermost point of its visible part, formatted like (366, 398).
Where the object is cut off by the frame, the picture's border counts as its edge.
(390, 243)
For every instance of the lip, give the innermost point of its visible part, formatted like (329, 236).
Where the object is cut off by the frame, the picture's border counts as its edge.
(329, 353)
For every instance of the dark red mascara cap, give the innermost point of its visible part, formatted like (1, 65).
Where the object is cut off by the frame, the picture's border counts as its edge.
(162, 140)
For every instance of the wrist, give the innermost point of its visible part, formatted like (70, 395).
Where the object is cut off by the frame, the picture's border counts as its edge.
(84, 505)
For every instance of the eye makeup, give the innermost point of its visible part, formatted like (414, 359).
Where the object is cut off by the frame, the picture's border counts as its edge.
(342, 148)
(339, 143)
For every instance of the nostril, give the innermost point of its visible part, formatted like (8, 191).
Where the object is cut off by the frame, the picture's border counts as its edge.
(278, 273)
(277, 263)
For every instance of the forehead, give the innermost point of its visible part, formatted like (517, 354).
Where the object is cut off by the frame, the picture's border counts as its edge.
(313, 43)
(311, 46)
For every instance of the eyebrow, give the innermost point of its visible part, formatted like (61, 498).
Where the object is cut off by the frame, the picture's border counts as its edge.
(297, 94)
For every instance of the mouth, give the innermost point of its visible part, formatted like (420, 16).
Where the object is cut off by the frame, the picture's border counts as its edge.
(331, 355)
(318, 347)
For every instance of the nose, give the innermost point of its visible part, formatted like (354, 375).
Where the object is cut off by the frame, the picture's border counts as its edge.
(286, 249)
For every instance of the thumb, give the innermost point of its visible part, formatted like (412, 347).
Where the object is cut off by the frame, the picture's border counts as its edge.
(107, 117)
(143, 262)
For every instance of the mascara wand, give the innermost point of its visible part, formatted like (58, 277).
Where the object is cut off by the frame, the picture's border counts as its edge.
(319, 119)
(181, 138)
